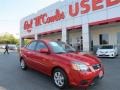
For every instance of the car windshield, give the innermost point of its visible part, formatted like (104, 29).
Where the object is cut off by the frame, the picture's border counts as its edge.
(61, 47)
(107, 47)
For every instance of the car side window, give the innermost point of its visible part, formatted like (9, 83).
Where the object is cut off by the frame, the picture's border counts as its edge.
(40, 45)
(31, 46)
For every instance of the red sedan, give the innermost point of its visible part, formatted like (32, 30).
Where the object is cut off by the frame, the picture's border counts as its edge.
(62, 63)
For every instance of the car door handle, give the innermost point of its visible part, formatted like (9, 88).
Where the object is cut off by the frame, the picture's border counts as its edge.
(29, 53)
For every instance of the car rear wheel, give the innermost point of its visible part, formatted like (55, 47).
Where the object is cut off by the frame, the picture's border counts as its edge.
(60, 78)
(23, 64)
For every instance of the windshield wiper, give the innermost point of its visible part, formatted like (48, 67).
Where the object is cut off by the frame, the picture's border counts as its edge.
(71, 51)
(60, 52)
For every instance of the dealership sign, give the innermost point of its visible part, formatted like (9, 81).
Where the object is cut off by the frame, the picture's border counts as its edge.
(81, 7)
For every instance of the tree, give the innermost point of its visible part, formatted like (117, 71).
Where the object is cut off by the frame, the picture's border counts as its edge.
(8, 38)
(26, 41)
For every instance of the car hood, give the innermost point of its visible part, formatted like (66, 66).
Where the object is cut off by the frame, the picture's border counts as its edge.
(106, 50)
(84, 58)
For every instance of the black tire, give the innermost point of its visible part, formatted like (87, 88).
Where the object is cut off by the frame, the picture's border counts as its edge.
(117, 54)
(64, 79)
(23, 64)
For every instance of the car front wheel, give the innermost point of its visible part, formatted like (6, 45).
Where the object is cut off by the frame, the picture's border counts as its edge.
(60, 78)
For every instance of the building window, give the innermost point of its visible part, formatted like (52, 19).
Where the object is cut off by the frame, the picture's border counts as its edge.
(104, 39)
(118, 38)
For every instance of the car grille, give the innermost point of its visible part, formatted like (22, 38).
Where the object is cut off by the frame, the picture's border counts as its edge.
(96, 66)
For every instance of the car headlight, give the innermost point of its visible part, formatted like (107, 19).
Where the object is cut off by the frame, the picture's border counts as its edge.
(80, 66)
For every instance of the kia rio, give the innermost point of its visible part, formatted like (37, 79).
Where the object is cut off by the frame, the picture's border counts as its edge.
(61, 62)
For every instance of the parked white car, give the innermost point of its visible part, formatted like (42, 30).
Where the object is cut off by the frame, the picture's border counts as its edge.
(12, 47)
(107, 51)
(2, 46)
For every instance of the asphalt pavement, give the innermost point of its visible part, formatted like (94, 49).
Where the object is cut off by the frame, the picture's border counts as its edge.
(13, 78)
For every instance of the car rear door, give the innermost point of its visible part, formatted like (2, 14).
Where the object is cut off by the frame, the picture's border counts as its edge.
(30, 53)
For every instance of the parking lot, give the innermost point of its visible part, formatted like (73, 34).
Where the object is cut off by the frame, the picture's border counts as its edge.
(13, 78)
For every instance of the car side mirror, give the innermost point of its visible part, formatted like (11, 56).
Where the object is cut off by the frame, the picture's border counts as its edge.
(44, 50)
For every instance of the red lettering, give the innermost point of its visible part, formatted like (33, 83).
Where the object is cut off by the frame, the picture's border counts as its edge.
(31, 23)
(43, 18)
(112, 2)
(85, 6)
(76, 11)
(62, 15)
(38, 21)
(28, 25)
(58, 16)
(51, 19)
(96, 4)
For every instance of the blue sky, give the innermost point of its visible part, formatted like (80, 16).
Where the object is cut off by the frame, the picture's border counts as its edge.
(11, 11)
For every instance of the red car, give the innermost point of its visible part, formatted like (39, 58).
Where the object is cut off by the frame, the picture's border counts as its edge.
(62, 63)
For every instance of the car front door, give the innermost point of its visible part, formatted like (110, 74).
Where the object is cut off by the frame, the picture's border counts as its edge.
(43, 60)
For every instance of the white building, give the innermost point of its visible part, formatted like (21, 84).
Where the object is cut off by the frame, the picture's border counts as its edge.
(82, 23)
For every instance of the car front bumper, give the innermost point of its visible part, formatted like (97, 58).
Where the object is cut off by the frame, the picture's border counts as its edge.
(106, 54)
(85, 79)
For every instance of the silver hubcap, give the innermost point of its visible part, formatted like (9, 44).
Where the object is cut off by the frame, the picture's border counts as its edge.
(59, 79)
(22, 64)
